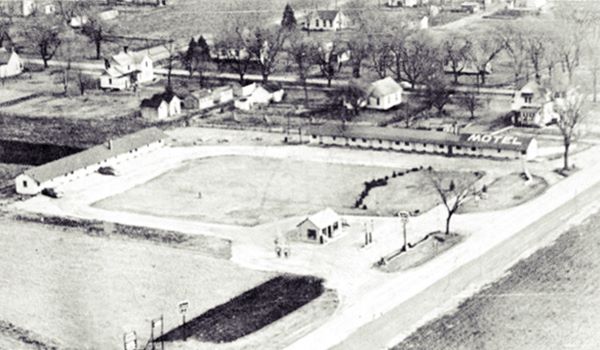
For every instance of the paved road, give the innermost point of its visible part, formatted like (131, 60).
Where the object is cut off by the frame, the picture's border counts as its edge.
(399, 322)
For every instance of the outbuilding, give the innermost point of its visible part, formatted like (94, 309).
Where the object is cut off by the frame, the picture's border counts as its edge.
(320, 227)
(66, 169)
(10, 63)
(161, 106)
(384, 94)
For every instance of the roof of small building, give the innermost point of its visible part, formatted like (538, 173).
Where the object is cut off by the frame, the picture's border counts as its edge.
(128, 58)
(383, 87)
(508, 142)
(95, 155)
(5, 55)
(327, 15)
(200, 94)
(156, 99)
(323, 218)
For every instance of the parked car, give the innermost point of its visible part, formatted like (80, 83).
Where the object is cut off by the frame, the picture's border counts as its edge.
(52, 192)
(108, 170)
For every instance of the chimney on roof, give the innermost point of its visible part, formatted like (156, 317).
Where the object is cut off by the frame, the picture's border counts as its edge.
(110, 145)
(126, 49)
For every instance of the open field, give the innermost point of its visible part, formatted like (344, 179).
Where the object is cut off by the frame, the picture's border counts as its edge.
(84, 292)
(550, 300)
(90, 106)
(247, 190)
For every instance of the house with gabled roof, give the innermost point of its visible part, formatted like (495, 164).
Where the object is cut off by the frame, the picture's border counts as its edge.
(532, 105)
(126, 69)
(384, 94)
(320, 227)
(331, 20)
(10, 63)
(83, 163)
(161, 106)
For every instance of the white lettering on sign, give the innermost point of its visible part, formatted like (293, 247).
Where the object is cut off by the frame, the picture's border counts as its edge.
(505, 140)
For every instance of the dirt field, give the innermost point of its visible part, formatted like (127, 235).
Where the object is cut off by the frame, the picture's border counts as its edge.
(82, 292)
(549, 301)
(247, 190)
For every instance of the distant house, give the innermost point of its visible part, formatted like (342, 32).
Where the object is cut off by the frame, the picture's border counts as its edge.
(222, 94)
(108, 15)
(261, 95)
(78, 21)
(188, 99)
(161, 106)
(384, 94)
(244, 91)
(83, 163)
(406, 3)
(320, 227)
(10, 63)
(533, 106)
(332, 20)
(125, 69)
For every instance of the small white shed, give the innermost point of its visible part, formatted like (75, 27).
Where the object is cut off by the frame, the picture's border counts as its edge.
(320, 227)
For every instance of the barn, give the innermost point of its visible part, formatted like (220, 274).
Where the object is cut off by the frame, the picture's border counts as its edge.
(80, 164)
(320, 227)
(425, 141)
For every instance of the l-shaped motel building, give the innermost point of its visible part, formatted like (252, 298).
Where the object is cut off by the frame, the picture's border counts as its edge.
(499, 146)
(83, 163)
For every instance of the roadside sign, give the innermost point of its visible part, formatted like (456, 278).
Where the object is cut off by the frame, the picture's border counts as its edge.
(130, 341)
(404, 215)
(157, 322)
(183, 307)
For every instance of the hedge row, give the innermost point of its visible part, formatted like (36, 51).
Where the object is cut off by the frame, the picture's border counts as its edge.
(380, 182)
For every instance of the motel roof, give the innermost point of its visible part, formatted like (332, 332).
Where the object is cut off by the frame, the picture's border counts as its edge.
(482, 140)
(95, 155)
(323, 218)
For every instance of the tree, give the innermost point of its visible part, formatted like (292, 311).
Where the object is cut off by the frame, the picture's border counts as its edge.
(358, 46)
(265, 46)
(188, 59)
(85, 82)
(4, 32)
(301, 52)
(592, 50)
(437, 93)
(44, 36)
(538, 46)
(396, 39)
(379, 54)
(570, 110)
(97, 32)
(173, 56)
(232, 52)
(421, 59)
(514, 39)
(289, 19)
(347, 101)
(456, 53)
(469, 101)
(327, 57)
(453, 192)
(486, 46)
(202, 59)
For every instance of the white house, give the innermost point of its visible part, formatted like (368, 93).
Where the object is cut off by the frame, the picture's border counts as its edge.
(83, 163)
(261, 95)
(205, 98)
(384, 94)
(10, 63)
(532, 105)
(222, 94)
(320, 227)
(332, 20)
(78, 21)
(406, 3)
(161, 106)
(125, 69)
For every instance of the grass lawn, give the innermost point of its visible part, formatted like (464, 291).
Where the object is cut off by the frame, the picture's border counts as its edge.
(250, 311)
(82, 292)
(7, 95)
(550, 300)
(425, 250)
(507, 191)
(247, 190)
(411, 192)
(89, 106)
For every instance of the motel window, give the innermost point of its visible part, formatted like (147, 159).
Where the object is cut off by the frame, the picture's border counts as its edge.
(397, 142)
(314, 136)
(364, 140)
(407, 144)
(378, 101)
(353, 139)
(25, 183)
(441, 146)
(333, 138)
(473, 149)
(110, 81)
(335, 225)
(499, 150)
(316, 22)
(424, 145)
(380, 141)
(523, 152)
(458, 147)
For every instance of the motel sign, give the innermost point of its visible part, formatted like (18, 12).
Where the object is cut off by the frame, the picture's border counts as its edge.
(494, 139)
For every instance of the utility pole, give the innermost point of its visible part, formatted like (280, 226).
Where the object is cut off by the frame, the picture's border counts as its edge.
(404, 215)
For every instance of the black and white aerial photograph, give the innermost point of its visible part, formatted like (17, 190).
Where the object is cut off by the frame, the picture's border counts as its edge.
(299, 174)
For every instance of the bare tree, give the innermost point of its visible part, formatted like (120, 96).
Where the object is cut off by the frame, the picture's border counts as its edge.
(470, 101)
(4, 31)
(453, 192)
(231, 51)
(570, 109)
(97, 32)
(514, 39)
(379, 54)
(358, 47)
(44, 36)
(85, 82)
(437, 93)
(538, 46)
(421, 59)
(327, 57)
(301, 51)
(347, 101)
(485, 48)
(265, 45)
(456, 53)
(397, 39)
